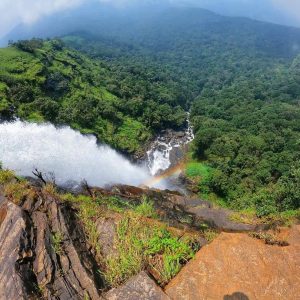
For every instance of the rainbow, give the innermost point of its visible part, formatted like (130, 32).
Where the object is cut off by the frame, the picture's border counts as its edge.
(176, 170)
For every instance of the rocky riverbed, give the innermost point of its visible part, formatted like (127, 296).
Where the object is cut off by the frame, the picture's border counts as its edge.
(168, 149)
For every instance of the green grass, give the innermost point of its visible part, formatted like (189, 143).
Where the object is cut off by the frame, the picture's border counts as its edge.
(146, 208)
(18, 191)
(115, 204)
(210, 234)
(141, 244)
(6, 176)
(285, 218)
(247, 216)
(197, 169)
(140, 241)
(20, 65)
(57, 241)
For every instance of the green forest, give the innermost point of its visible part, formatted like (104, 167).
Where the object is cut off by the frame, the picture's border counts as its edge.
(45, 81)
(239, 78)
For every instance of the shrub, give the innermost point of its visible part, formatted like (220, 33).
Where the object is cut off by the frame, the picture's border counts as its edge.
(6, 176)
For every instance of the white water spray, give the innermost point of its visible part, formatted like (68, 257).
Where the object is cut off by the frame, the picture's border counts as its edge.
(65, 152)
(159, 154)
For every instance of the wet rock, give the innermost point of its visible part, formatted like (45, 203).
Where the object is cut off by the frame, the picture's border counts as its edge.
(139, 287)
(236, 266)
(181, 210)
(168, 149)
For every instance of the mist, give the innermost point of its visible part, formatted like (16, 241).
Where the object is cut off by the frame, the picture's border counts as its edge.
(27, 19)
(284, 12)
(67, 154)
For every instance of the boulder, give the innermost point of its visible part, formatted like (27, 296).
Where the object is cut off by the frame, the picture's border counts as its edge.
(236, 266)
(139, 287)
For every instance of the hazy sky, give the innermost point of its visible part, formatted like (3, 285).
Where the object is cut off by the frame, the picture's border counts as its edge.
(28, 11)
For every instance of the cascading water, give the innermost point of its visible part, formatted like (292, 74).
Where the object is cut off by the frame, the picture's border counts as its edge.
(159, 155)
(65, 152)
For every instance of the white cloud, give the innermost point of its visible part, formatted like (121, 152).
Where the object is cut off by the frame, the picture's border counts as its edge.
(292, 7)
(28, 11)
(14, 12)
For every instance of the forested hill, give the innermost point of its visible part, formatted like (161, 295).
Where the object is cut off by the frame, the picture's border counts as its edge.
(242, 80)
(239, 77)
(199, 48)
(44, 81)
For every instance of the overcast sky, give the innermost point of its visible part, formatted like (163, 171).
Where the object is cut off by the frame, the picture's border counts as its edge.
(29, 11)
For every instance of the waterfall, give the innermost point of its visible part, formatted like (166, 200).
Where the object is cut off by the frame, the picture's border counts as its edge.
(158, 157)
(66, 153)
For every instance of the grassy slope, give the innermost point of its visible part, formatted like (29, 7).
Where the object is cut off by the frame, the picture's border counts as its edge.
(24, 85)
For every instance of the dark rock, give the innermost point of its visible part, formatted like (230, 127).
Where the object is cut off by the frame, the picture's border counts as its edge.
(219, 218)
(181, 211)
(139, 287)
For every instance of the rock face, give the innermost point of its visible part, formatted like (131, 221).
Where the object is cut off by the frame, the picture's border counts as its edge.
(12, 229)
(137, 288)
(45, 251)
(236, 266)
(32, 266)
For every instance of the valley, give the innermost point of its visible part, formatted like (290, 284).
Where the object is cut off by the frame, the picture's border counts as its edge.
(149, 152)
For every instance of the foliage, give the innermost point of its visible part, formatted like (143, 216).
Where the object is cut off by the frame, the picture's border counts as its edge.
(88, 210)
(138, 244)
(240, 77)
(146, 208)
(269, 238)
(57, 241)
(17, 192)
(6, 176)
(210, 234)
(44, 81)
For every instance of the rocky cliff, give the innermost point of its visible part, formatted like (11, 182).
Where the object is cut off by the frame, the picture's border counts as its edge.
(60, 245)
(237, 266)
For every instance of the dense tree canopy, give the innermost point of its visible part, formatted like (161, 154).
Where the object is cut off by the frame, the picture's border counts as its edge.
(46, 81)
(240, 78)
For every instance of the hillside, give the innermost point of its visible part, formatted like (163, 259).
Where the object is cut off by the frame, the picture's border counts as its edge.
(44, 81)
(239, 77)
(149, 152)
(241, 81)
